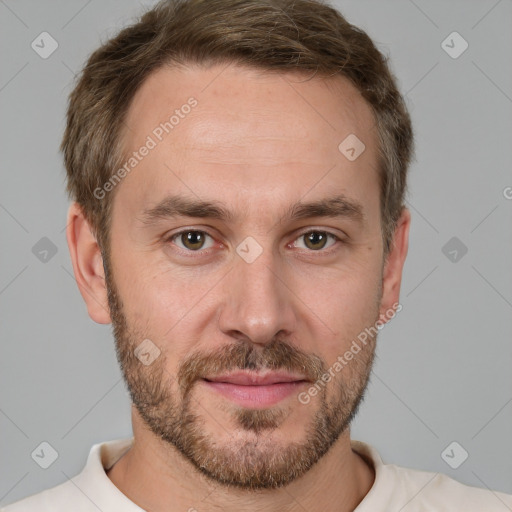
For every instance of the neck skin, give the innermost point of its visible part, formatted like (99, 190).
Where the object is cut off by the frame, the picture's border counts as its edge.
(157, 478)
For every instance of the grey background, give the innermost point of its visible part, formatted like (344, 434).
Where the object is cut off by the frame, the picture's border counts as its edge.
(443, 367)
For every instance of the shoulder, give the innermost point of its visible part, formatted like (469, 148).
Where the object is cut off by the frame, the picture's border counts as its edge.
(437, 491)
(412, 490)
(61, 497)
(89, 491)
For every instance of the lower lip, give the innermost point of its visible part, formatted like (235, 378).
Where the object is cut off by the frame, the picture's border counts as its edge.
(256, 396)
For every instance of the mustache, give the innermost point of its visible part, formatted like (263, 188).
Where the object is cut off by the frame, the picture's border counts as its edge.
(244, 355)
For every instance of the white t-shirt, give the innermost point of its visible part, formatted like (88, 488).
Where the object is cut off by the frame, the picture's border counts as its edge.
(395, 489)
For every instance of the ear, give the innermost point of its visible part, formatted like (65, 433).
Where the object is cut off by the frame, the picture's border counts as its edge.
(393, 266)
(87, 265)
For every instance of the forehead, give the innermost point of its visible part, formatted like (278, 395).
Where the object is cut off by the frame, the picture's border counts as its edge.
(248, 133)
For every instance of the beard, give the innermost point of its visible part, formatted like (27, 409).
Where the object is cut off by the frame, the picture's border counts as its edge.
(252, 459)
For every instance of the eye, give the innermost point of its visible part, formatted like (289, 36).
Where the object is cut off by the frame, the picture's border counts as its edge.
(317, 240)
(192, 240)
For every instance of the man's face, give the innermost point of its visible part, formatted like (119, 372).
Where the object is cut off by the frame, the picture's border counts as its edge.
(262, 290)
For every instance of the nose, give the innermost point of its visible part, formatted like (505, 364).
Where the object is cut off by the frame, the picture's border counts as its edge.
(258, 300)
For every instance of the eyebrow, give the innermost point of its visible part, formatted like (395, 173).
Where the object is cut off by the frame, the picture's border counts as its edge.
(338, 206)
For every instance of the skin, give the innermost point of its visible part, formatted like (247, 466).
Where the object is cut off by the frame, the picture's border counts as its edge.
(256, 142)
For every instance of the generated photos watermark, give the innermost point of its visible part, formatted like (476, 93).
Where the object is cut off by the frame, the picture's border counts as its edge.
(152, 140)
(343, 360)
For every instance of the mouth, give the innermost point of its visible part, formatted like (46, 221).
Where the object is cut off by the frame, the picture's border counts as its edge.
(252, 390)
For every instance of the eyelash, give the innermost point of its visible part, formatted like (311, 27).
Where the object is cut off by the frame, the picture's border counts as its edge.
(202, 252)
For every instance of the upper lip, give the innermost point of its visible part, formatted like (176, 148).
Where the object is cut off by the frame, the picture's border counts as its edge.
(255, 379)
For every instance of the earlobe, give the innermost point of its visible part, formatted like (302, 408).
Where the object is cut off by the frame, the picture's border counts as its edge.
(393, 267)
(87, 265)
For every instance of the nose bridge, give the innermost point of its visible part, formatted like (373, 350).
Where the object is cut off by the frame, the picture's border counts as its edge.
(257, 303)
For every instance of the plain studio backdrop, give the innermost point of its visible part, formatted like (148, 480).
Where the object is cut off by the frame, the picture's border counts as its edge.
(441, 388)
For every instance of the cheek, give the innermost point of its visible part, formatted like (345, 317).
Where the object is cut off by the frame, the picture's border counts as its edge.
(345, 296)
(171, 308)
(143, 295)
(341, 306)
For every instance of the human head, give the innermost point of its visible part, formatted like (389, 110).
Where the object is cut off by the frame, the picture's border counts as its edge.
(256, 145)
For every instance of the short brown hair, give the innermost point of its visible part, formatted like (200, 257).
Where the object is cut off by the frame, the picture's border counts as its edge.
(273, 35)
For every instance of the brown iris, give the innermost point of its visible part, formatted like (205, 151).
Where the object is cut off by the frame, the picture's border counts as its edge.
(314, 238)
(193, 239)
